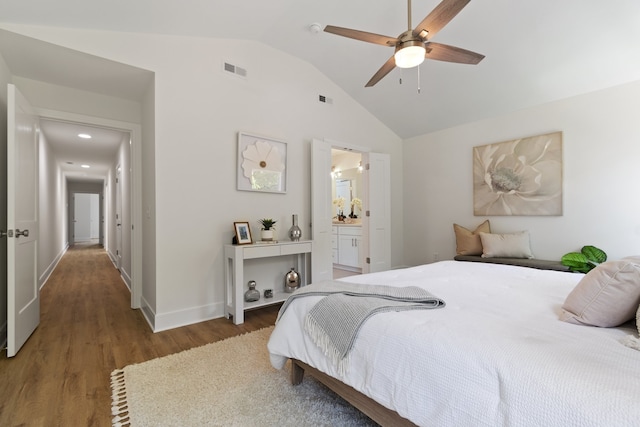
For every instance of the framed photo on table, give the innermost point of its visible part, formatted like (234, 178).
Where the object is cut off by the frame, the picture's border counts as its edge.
(243, 233)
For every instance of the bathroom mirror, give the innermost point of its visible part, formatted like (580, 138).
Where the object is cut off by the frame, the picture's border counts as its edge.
(347, 187)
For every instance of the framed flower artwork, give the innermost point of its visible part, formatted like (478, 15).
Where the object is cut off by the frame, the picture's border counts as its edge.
(519, 177)
(262, 164)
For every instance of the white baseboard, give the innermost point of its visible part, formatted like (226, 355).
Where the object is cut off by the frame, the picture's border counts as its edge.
(126, 278)
(47, 272)
(148, 313)
(176, 319)
(124, 274)
(112, 257)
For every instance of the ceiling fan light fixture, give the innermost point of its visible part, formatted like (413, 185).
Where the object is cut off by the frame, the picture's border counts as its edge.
(410, 54)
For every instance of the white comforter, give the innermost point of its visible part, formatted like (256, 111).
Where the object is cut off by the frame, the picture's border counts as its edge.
(496, 355)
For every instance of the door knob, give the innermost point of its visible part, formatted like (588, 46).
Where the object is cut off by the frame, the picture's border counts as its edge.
(24, 233)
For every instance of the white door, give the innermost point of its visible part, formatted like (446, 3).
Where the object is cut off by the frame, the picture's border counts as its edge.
(23, 298)
(376, 243)
(81, 217)
(377, 183)
(321, 211)
(118, 217)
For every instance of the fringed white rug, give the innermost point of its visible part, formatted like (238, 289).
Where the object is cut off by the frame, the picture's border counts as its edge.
(227, 383)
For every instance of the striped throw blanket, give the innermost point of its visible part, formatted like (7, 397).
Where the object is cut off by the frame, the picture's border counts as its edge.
(333, 323)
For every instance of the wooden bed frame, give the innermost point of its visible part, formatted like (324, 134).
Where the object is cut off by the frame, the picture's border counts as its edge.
(381, 414)
(378, 413)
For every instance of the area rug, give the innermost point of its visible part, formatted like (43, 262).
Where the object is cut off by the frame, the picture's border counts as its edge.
(227, 383)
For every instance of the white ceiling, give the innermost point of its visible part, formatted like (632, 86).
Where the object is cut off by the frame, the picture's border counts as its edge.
(71, 151)
(537, 51)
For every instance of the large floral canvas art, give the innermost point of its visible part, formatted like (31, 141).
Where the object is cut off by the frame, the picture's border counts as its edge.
(519, 177)
(262, 164)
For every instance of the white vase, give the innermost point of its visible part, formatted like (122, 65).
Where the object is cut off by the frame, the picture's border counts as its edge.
(267, 235)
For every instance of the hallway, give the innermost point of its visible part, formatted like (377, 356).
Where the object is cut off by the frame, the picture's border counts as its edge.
(87, 329)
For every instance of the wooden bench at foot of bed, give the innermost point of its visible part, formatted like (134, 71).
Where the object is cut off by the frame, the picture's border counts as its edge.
(540, 264)
(378, 413)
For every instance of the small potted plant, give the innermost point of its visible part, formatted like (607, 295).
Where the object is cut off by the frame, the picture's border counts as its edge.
(355, 203)
(268, 225)
(339, 203)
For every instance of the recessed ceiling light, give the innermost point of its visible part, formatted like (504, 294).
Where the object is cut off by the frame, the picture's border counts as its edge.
(85, 166)
(84, 135)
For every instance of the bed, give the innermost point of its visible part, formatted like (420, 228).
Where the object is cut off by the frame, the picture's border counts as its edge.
(496, 354)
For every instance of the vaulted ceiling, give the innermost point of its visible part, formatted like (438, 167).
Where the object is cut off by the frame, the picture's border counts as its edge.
(536, 51)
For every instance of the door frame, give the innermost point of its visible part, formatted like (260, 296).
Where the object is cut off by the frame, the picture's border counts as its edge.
(135, 132)
(365, 152)
(71, 214)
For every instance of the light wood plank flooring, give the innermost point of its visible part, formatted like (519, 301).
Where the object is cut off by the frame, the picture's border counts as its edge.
(87, 329)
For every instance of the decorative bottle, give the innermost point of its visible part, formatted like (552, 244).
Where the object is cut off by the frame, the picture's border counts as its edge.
(294, 232)
(252, 294)
(291, 280)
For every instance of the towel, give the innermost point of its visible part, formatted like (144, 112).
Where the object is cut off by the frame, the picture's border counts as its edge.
(333, 323)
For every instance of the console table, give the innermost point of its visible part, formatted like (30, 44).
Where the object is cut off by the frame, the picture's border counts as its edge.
(234, 258)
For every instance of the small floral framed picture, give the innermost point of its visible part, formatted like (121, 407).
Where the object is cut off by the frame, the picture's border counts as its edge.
(243, 233)
(262, 164)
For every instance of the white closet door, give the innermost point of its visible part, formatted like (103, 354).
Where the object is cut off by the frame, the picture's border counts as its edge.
(321, 211)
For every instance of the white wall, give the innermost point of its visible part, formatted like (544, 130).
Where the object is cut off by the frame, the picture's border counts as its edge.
(53, 215)
(198, 113)
(601, 154)
(123, 159)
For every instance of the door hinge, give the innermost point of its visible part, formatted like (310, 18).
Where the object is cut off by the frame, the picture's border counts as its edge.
(366, 167)
(367, 213)
(368, 260)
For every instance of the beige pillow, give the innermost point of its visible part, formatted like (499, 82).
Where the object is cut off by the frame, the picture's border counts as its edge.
(606, 296)
(467, 241)
(514, 245)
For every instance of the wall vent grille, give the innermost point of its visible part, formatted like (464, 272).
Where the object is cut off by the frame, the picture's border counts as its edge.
(325, 99)
(230, 68)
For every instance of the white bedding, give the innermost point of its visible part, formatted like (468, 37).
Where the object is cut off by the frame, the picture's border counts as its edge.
(496, 355)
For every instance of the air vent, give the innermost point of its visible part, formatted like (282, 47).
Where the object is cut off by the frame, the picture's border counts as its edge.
(325, 100)
(234, 69)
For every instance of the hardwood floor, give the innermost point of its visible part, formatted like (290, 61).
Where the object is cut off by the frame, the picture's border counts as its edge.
(87, 329)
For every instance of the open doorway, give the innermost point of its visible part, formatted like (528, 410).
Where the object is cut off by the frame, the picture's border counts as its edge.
(347, 232)
(91, 158)
(86, 225)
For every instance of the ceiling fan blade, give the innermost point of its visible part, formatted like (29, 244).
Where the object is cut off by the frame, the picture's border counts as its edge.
(383, 71)
(443, 52)
(439, 17)
(362, 35)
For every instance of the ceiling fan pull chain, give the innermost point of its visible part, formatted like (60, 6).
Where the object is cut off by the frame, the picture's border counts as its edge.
(418, 67)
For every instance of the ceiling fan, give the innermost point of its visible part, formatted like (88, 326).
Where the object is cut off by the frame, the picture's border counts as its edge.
(413, 46)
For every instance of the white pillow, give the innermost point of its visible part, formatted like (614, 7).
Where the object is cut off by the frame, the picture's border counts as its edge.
(514, 245)
(606, 296)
